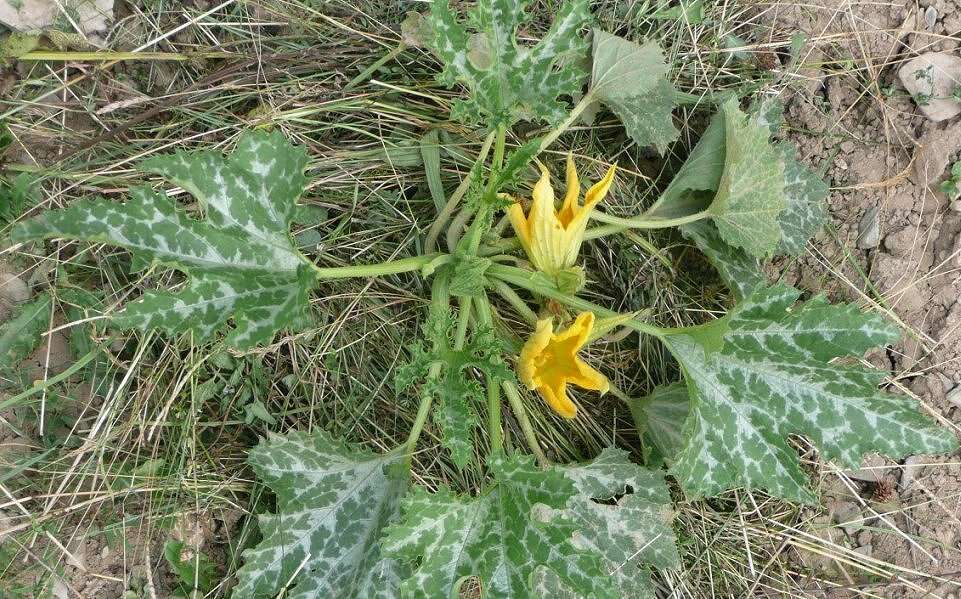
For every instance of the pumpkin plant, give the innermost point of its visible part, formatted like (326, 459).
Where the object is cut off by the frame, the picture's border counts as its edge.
(349, 522)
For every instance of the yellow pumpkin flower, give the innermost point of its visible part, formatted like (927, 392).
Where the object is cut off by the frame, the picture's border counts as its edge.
(551, 238)
(549, 361)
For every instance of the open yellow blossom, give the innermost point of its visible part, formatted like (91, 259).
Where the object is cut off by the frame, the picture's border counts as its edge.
(552, 238)
(549, 362)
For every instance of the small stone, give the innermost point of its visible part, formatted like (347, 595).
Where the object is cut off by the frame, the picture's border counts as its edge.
(869, 230)
(932, 79)
(930, 17)
(865, 550)
(909, 472)
(873, 468)
(956, 205)
(946, 382)
(847, 515)
(954, 396)
(864, 538)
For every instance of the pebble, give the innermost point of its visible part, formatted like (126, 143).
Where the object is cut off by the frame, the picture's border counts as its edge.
(869, 230)
(865, 550)
(956, 205)
(933, 76)
(873, 468)
(954, 396)
(912, 466)
(930, 17)
(847, 515)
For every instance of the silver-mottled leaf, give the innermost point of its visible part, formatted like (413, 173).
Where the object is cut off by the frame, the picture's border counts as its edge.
(333, 503)
(500, 537)
(509, 81)
(622, 512)
(240, 258)
(765, 372)
(631, 79)
(806, 211)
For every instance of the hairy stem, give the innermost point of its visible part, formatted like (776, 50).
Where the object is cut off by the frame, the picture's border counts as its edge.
(517, 302)
(639, 222)
(542, 286)
(375, 270)
(445, 215)
(495, 429)
(520, 412)
(440, 300)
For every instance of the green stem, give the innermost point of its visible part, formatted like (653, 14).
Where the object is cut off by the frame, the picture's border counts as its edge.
(375, 270)
(541, 286)
(495, 429)
(445, 215)
(639, 222)
(520, 412)
(520, 306)
(376, 65)
(551, 137)
(440, 300)
(463, 319)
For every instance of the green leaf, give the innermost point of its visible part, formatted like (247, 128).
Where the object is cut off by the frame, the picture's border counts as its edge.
(622, 513)
(750, 195)
(24, 332)
(240, 258)
(508, 81)
(17, 197)
(739, 271)
(195, 573)
(805, 212)
(467, 275)
(631, 80)
(430, 154)
(771, 376)
(660, 418)
(499, 537)
(333, 502)
(454, 387)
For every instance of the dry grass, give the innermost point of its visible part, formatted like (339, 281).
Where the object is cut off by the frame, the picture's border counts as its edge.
(158, 444)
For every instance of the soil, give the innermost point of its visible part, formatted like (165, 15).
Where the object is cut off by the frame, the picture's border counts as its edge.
(895, 241)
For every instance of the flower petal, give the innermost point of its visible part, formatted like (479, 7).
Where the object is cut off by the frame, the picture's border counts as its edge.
(536, 344)
(570, 207)
(597, 191)
(522, 227)
(558, 400)
(547, 251)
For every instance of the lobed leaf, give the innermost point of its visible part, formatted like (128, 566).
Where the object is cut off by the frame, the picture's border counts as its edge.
(764, 372)
(660, 419)
(240, 258)
(750, 195)
(631, 80)
(454, 386)
(24, 331)
(621, 513)
(508, 81)
(333, 503)
(496, 537)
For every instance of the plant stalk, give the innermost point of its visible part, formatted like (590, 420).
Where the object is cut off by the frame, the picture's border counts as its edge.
(440, 300)
(539, 285)
(375, 270)
(520, 412)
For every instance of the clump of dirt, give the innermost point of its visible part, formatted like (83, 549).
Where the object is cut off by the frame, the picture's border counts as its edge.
(894, 237)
